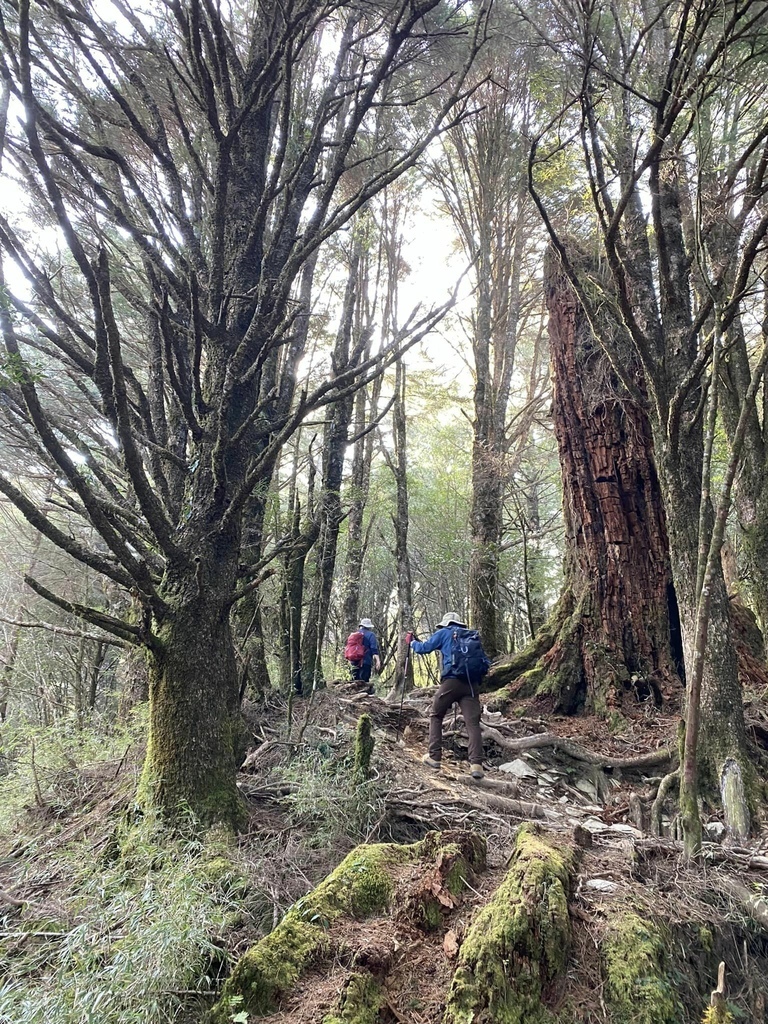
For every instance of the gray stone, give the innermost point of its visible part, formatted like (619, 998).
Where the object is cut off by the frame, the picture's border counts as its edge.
(594, 825)
(587, 788)
(601, 885)
(715, 830)
(626, 830)
(519, 768)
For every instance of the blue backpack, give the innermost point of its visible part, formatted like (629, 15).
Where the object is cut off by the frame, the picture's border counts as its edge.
(468, 659)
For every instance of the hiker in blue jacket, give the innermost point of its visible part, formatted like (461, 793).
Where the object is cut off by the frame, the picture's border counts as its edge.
(452, 690)
(372, 657)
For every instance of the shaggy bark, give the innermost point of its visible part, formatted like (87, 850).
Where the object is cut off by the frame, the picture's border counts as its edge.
(612, 632)
(649, 286)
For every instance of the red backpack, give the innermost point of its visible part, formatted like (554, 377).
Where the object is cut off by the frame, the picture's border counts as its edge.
(354, 648)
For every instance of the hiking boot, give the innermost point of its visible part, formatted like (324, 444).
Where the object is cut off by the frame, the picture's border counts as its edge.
(431, 762)
(476, 771)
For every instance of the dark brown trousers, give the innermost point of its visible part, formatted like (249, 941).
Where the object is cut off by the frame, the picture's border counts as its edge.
(455, 691)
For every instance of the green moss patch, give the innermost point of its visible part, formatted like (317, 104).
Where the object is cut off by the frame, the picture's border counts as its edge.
(638, 986)
(360, 1000)
(519, 942)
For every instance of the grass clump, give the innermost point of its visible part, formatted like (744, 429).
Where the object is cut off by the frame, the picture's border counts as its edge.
(61, 769)
(330, 803)
(134, 935)
(118, 928)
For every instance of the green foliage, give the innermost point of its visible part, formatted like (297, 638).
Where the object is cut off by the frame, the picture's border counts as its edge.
(56, 767)
(329, 801)
(13, 370)
(717, 1015)
(137, 931)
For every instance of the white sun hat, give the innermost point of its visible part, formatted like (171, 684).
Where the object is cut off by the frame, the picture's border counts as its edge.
(452, 619)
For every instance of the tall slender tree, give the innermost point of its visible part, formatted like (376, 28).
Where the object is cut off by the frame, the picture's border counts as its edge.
(482, 179)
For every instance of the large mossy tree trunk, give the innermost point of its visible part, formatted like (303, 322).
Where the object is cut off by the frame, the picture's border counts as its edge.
(613, 628)
(196, 736)
(184, 332)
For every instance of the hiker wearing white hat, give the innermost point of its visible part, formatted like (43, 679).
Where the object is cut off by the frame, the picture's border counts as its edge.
(362, 652)
(463, 665)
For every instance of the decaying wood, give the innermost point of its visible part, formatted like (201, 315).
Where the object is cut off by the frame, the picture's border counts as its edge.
(755, 906)
(717, 998)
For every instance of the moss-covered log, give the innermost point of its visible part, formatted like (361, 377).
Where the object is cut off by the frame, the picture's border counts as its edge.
(518, 944)
(363, 885)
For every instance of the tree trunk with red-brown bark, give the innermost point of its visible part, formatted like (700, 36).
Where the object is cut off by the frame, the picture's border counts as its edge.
(615, 631)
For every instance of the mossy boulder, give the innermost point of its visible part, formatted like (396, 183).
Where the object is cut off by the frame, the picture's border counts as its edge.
(639, 988)
(519, 942)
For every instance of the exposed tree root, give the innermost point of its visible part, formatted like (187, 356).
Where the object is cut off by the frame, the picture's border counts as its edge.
(665, 786)
(576, 751)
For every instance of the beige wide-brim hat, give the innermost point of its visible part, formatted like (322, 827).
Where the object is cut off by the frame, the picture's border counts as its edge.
(452, 619)
(366, 623)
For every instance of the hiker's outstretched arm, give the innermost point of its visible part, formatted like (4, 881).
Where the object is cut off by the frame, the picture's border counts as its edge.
(427, 646)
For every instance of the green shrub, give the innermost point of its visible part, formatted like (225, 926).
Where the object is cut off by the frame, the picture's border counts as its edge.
(329, 802)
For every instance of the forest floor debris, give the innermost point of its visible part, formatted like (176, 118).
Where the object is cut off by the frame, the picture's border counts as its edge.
(306, 814)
